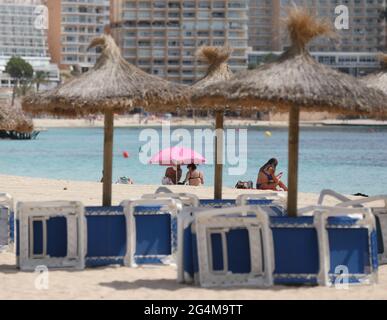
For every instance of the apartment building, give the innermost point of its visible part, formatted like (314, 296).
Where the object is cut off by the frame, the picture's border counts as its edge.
(162, 36)
(72, 25)
(353, 51)
(264, 25)
(20, 36)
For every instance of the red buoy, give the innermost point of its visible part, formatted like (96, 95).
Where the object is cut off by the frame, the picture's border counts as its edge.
(125, 154)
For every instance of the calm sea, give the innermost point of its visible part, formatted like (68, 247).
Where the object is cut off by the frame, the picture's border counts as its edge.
(346, 159)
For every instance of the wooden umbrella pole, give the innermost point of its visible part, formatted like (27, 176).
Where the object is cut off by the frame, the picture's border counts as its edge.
(219, 155)
(294, 125)
(108, 159)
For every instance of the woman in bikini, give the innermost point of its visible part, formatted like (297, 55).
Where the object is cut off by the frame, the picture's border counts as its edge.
(194, 177)
(267, 179)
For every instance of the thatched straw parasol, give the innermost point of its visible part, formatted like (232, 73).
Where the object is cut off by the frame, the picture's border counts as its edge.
(218, 70)
(296, 82)
(378, 80)
(111, 86)
(12, 118)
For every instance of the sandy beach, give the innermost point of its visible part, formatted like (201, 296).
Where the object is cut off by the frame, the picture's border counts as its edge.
(148, 282)
(134, 122)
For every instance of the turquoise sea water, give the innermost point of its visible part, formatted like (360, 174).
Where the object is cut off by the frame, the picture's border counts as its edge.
(346, 159)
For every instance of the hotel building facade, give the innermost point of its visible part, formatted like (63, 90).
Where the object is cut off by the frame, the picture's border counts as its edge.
(354, 50)
(21, 36)
(161, 37)
(72, 25)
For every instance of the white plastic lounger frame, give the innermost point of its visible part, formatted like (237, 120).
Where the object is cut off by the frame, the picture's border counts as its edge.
(380, 212)
(333, 194)
(184, 219)
(243, 199)
(29, 212)
(186, 198)
(6, 207)
(168, 206)
(260, 239)
(321, 215)
(278, 200)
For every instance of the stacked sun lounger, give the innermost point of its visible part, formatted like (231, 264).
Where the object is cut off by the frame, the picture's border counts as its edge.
(380, 213)
(249, 241)
(68, 235)
(6, 221)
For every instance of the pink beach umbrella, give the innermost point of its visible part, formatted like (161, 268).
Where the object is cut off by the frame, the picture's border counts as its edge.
(177, 156)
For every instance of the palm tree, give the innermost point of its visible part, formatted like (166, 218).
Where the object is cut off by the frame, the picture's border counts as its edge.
(41, 77)
(20, 71)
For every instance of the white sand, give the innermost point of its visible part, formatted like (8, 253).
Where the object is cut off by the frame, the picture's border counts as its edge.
(133, 121)
(145, 282)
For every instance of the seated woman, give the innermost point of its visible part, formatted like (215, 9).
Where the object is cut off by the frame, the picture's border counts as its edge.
(267, 179)
(194, 177)
(171, 176)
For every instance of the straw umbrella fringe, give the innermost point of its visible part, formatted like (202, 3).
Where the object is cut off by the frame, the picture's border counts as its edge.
(295, 78)
(218, 70)
(12, 118)
(111, 86)
(296, 82)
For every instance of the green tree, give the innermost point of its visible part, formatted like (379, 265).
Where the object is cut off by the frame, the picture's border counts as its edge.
(20, 70)
(41, 77)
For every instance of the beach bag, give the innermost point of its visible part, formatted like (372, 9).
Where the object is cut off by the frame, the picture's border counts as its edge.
(244, 185)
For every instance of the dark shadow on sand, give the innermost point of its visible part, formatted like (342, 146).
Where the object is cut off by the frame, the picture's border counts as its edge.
(172, 285)
(8, 269)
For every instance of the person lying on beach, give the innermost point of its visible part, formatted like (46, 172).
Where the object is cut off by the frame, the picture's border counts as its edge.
(267, 179)
(171, 176)
(194, 177)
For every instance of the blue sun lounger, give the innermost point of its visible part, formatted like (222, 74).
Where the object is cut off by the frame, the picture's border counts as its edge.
(106, 236)
(152, 230)
(333, 245)
(270, 204)
(379, 212)
(137, 232)
(50, 234)
(67, 235)
(6, 220)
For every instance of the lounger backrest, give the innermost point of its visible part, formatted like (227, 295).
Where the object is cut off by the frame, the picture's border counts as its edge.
(380, 213)
(234, 247)
(51, 234)
(152, 230)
